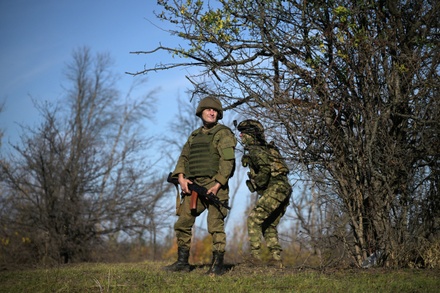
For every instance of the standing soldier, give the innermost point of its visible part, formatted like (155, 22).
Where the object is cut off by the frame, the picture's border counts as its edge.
(268, 177)
(207, 159)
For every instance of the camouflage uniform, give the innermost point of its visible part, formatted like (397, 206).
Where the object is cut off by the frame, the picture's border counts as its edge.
(207, 159)
(267, 177)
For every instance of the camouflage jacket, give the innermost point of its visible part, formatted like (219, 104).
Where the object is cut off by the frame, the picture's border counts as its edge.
(265, 164)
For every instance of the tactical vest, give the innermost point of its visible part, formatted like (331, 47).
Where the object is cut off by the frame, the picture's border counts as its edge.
(203, 158)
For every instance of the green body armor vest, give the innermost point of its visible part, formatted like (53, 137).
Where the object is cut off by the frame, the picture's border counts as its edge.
(203, 156)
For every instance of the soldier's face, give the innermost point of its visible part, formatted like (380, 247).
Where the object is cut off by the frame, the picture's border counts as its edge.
(209, 116)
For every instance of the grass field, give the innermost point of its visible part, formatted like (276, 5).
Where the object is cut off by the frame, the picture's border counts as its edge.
(149, 277)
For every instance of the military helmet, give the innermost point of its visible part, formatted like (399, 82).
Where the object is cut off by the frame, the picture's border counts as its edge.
(252, 127)
(210, 102)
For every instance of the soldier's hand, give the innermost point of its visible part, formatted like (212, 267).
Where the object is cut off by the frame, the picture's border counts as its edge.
(183, 182)
(215, 188)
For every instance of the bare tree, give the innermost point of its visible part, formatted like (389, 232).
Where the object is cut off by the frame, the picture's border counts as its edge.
(82, 176)
(350, 89)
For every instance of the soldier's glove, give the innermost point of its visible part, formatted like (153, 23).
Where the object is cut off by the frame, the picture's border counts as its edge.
(251, 185)
(245, 160)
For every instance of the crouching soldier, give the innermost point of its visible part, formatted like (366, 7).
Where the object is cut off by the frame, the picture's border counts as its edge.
(268, 177)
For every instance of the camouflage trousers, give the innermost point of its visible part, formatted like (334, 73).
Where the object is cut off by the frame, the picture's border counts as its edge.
(265, 217)
(216, 221)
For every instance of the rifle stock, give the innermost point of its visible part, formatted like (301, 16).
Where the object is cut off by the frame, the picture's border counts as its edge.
(198, 191)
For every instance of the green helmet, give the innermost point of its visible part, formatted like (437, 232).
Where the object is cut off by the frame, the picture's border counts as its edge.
(252, 127)
(210, 102)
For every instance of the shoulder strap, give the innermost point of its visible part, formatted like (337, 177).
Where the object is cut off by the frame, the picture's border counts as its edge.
(212, 131)
(194, 133)
(218, 128)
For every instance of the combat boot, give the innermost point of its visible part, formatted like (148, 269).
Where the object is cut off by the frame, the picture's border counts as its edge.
(275, 261)
(217, 267)
(181, 265)
(253, 259)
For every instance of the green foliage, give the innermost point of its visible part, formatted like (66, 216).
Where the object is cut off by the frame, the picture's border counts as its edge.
(214, 25)
(342, 13)
(148, 277)
(349, 90)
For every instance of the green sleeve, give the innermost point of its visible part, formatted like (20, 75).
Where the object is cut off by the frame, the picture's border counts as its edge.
(226, 143)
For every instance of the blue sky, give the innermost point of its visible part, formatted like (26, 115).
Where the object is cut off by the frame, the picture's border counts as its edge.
(38, 38)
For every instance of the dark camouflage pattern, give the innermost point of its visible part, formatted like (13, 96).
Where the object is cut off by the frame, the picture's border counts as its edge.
(268, 177)
(266, 215)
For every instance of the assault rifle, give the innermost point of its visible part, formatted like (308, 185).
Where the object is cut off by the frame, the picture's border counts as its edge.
(197, 190)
